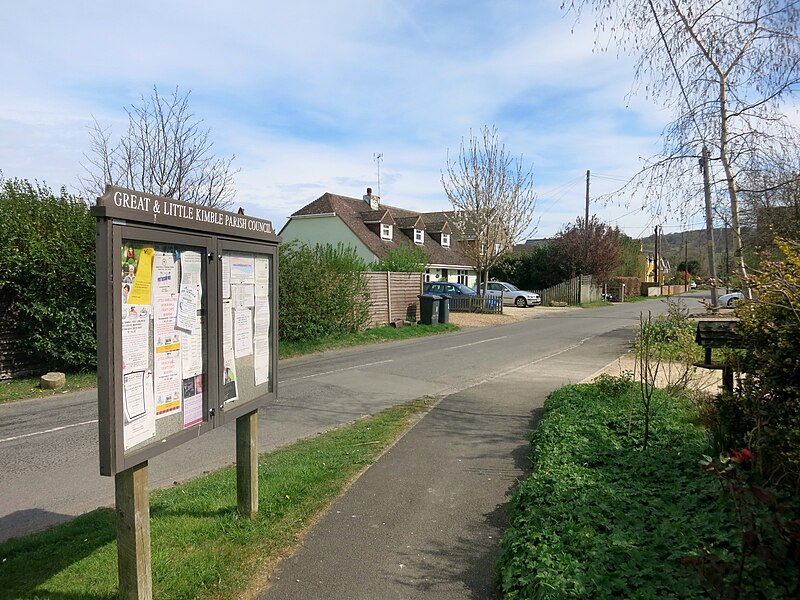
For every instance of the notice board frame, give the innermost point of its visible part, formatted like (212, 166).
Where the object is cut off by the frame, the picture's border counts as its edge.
(124, 214)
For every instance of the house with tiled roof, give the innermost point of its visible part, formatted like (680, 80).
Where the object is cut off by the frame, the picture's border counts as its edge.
(374, 229)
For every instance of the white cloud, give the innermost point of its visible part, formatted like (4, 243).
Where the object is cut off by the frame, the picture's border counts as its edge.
(305, 93)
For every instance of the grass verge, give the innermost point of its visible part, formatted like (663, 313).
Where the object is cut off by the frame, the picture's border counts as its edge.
(201, 547)
(28, 387)
(19, 389)
(376, 335)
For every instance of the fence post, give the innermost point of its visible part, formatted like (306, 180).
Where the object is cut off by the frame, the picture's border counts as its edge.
(389, 296)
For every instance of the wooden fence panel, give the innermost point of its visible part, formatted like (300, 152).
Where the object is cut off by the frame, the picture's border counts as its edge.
(393, 296)
(573, 291)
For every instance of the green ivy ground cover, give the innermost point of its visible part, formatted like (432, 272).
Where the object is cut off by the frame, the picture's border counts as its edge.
(600, 518)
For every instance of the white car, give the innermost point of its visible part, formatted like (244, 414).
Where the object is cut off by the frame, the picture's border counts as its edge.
(730, 299)
(512, 295)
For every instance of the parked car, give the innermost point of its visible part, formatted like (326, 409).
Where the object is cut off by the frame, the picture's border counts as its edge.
(512, 295)
(730, 299)
(692, 285)
(444, 288)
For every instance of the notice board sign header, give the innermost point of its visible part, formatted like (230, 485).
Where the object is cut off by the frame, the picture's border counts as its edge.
(130, 205)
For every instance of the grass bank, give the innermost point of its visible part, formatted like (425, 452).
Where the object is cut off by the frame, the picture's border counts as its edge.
(201, 547)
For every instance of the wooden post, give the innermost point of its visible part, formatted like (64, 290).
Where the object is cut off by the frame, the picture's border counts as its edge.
(133, 534)
(389, 295)
(727, 380)
(247, 464)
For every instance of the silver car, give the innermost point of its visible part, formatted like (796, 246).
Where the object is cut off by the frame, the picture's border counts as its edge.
(730, 299)
(512, 295)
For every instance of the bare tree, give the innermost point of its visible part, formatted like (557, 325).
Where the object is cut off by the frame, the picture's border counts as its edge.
(492, 197)
(165, 151)
(724, 67)
(771, 208)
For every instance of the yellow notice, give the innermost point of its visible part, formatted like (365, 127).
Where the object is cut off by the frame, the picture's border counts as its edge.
(140, 293)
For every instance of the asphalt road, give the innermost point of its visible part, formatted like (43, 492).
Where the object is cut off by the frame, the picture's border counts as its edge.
(48, 447)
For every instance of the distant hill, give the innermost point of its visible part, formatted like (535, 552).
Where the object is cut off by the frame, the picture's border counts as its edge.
(693, 243)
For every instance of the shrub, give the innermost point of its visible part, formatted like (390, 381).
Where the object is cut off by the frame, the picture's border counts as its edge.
(601, 518)
(47, 265)
(403, 259)
(322, 292)
(768, 397)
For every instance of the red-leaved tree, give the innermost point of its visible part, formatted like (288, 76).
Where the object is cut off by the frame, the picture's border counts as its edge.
(576, 251)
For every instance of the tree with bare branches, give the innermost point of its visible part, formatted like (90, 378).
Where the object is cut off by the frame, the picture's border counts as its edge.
(725, 68)
(492, 197)
(165, 151)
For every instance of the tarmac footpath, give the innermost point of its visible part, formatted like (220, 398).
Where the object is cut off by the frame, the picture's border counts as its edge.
(425, 520)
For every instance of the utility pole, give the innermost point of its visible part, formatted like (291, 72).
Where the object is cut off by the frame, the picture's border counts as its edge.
(712, 263)
(657, 259)
(586, 224)
(685, 263)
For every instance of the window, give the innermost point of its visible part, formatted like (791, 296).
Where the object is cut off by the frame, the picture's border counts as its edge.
(427, 275)
(497, 249)
(462, 276)
(419, 236)
(386, 232)
(446, 240)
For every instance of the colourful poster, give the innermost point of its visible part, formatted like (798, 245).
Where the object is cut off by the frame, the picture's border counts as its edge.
(230, 390)
(192, 401)
(140, 277)
(167, 347)
(242, 268)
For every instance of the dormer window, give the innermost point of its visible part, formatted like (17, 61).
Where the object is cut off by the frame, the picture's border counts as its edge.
(419, 236)
(386, 232)
(446, 240)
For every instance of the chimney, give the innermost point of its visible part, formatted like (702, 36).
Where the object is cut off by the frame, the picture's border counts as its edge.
(373, 201)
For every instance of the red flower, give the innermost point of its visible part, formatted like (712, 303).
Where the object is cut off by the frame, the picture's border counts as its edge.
(743, 456)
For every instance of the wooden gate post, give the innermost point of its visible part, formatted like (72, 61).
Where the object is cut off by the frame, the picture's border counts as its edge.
(133, 534)
(247, 464)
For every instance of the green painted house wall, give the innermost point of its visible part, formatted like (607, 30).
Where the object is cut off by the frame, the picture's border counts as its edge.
(325, 230)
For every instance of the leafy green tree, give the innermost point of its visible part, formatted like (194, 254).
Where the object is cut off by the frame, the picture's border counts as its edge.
(631, 261)
(403, 259)
(529, 271)
(47, 267)
(690, 266)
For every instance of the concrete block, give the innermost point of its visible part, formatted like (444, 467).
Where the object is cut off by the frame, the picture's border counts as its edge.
(52, 381)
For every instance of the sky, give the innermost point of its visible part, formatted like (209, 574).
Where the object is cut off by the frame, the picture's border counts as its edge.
(305, 95)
